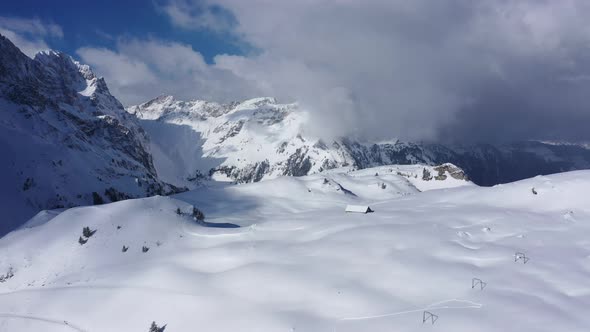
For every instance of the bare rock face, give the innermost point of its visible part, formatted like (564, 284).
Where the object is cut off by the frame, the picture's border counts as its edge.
(454, 171)
(65, 139)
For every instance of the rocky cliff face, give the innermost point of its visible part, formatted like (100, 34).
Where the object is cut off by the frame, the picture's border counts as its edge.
(64, 139)
(260, 139)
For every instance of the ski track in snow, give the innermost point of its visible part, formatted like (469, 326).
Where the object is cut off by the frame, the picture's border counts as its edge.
(43, 319)
(433, 306)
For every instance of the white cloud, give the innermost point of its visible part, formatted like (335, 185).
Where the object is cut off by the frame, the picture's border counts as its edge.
(412, 69)
(138, 70)
(28, 47)
(409, 68)
(29, 34)
(120, 68)
(197, 15)
(31, 26)
(165, 56)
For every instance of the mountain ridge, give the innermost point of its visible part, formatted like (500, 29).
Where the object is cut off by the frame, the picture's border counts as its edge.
(260, 139)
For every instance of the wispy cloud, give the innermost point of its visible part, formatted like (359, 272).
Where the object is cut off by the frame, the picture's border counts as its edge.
(140, 69)
(411, 69)
(198, 15)
(34, 26)
(416, 69)
(29, 34)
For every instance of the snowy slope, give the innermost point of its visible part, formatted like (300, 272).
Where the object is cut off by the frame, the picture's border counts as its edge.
(299, 263)
(65, 140)
(261, 139)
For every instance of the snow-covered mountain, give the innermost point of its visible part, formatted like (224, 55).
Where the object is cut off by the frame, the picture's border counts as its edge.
(282, 255)
(241, 142)
(69, 142)
(261, 139)
(64, 139)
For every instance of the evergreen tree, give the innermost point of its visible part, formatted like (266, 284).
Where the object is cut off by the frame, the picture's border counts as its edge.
(87, 232)
(198, 214)
(96, 199)
(155, 328)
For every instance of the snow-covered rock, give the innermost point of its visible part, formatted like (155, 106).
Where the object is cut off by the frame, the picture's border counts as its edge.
(64, 139)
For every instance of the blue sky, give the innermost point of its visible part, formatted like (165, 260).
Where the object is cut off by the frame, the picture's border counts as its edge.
(142, 48)
(100, 23)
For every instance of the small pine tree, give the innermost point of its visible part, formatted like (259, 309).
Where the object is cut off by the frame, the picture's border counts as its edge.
(144, 249)
(426, 176)
(125, 249)
(198, 214)
(96, 199)
(155, 328)
(87, 232)
(82, 241)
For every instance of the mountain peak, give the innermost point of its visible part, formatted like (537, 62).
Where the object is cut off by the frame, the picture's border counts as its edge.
(14, 64)
(50, 53)
(162, 99)
(70, 140)
(63, 65)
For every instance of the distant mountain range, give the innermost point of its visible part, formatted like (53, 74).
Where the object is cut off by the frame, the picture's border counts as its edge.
(259, 139)
(66, 141)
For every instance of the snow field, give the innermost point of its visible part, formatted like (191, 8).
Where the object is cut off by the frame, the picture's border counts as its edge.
(299, 263)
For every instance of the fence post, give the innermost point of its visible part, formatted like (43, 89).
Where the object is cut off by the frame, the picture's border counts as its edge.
(427, 315)
(478, 282)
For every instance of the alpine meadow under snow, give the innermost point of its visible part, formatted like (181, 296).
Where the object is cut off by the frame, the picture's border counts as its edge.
(181, 214)
(298, 262)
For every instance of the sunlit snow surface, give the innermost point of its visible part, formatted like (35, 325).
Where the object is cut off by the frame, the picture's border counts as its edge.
(299, 263)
